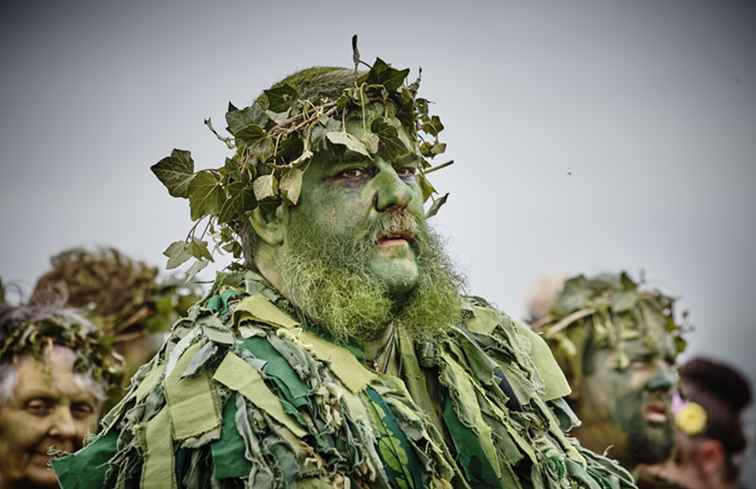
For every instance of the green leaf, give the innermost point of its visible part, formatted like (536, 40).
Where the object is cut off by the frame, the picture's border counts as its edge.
(383, 74)
(265, 187)
(177, 252)
(370, 140)
(348, 140)
(199, 250)
(237, 119)
(278, 118)
(281, 97)
(196, 268)
(240, 200)
(291, 184)
(390, 146)
(175, 172)
(437, 203)
(205, 194)
(433, 126)
(437, 149)
(426, 187)
(251, 134)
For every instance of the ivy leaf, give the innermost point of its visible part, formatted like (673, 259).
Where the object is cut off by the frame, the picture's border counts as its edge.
(291, 184)
(351, 142)
(175, 172)
(281, 98)
(199, 250)
(438, 148)
(239, 119)
(240, 200)
(265, 187)
(433, 126)
(370, 140)
(177, 252)
(391, 146)
(196, 268)
(437, 203)
(205, 194)
(426, 187)
(383, 74)
(278, 118)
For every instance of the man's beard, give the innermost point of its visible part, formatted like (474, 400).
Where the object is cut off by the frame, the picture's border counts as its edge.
(328, 277)
(649, 444)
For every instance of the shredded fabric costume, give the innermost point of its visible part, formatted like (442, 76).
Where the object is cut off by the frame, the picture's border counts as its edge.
(244, 395)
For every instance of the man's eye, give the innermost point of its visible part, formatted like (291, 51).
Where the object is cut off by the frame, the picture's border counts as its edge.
(353, 173)
(406, 172)
(39, 407)
(81, 409)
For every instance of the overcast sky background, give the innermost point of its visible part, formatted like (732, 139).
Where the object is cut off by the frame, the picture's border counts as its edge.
(588, 136)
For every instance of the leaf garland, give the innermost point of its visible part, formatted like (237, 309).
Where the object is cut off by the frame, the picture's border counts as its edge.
(275, 138)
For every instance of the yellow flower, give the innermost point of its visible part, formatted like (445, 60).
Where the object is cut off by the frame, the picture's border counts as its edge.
(691, 419)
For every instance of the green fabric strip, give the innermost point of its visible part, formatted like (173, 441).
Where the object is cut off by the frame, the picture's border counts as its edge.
(340, 361)
(415, 379)
(149, 382)
(238, 375)
(86, 468)
(228, 451)
(158, 469)
(554, 381)
(470, 455)
(484, 320)
(191, 403)
(458, 381)
(276, 367)
(258, 308)
(398, 456)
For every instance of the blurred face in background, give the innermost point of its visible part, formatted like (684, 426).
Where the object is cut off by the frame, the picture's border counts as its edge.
(48, 406)
(629, 409)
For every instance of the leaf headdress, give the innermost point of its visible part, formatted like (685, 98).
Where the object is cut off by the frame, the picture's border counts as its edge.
(606, 311)
(275, 138)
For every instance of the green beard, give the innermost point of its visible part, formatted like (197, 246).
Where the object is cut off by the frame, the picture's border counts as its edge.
(328, 277)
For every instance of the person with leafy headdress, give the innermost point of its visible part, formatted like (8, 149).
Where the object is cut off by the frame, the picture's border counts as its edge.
(338, 351)
(123, 296)
(55, 372)
(617, 342)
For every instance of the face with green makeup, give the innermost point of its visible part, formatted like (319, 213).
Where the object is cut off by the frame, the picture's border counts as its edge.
(628, 409)
(355, 252)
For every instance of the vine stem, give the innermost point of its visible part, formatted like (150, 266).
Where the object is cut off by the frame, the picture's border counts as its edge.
(438, 167)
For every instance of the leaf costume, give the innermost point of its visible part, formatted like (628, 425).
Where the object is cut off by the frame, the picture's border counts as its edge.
(246, 394)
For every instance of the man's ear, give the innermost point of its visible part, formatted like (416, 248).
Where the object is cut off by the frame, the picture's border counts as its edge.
(270, 224)
(709, 456)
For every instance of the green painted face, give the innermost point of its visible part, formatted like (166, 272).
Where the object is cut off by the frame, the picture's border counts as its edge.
(629, 409)
(348, 194)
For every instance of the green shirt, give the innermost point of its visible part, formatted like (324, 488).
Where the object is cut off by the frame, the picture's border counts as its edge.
(245, 394)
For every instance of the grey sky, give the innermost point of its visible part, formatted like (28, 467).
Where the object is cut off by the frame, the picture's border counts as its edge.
(587, 136)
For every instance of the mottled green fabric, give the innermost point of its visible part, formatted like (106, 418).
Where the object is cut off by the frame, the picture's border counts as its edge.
(469, 409)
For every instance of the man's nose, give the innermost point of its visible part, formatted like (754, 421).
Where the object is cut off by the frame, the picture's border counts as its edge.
(391, 191)
(664, 378)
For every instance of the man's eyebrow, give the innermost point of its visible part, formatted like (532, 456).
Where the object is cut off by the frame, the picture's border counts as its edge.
(406, 159)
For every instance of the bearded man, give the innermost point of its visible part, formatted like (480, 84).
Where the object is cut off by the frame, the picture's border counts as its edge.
(55, 372)
(340, 353)
(617, 343)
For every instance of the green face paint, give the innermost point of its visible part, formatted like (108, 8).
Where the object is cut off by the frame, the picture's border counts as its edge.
(629, 408)
(358, 253)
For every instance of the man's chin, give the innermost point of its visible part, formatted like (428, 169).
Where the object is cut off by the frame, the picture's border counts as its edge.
(399, 275)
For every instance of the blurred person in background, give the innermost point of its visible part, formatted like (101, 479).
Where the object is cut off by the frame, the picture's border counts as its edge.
(55, 373)
(617, 344)
(123, 296)
(711, 438)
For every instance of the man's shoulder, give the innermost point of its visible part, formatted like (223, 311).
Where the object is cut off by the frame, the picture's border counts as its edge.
(528, 348)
